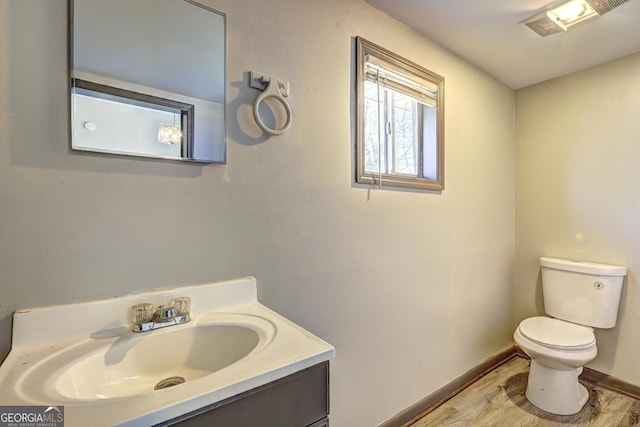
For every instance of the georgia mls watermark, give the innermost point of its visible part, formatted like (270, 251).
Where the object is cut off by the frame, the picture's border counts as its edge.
(31, 416)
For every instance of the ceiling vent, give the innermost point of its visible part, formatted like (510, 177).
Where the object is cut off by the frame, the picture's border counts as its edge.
(560, 17)
(542, 25)
(603, 6)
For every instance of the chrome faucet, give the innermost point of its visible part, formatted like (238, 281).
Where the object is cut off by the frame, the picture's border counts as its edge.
(145, 318)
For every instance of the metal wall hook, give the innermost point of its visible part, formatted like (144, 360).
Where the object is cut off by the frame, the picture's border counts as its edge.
(278, 91)
(259, 82)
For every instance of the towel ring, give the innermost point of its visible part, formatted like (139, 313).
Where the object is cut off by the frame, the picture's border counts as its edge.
(277, 94)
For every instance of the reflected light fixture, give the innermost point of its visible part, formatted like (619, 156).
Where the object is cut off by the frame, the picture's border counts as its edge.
(170, 133)
(561, 16)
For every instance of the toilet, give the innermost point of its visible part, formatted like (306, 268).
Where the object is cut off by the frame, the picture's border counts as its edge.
(578, 296)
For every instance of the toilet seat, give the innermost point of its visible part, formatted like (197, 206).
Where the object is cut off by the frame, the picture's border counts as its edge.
(557, 334)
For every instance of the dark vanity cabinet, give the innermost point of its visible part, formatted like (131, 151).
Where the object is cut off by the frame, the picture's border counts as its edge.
(298, 400)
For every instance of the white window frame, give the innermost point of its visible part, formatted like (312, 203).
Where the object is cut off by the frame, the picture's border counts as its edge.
(392, 73)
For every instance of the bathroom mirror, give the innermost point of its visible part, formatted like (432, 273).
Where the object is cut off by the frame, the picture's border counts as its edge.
(148, 78)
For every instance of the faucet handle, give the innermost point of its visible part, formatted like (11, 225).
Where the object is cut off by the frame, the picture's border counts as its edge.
(182, 305)
(142, 313)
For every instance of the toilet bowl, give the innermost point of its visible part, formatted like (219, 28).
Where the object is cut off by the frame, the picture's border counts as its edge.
(558, 352)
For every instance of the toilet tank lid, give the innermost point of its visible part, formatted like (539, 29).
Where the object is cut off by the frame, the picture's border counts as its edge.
(583, 267)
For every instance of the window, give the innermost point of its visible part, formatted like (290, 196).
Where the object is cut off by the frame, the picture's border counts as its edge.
(400, 121)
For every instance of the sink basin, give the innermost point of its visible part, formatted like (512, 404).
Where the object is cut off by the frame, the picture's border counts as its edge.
(137, 364)
(127, 364)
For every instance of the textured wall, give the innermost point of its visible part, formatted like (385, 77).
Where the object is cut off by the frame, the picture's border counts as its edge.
(412, 288)
(578, 162)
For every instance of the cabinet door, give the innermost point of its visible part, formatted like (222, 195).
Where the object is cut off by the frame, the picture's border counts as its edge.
(299, 400)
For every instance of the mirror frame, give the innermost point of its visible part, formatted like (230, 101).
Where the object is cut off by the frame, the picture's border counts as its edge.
(187, 111)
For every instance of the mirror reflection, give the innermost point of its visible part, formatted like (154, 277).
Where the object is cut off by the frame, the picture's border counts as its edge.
(148, 79)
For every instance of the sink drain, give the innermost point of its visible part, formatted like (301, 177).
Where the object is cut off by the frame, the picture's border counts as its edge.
(168, 382)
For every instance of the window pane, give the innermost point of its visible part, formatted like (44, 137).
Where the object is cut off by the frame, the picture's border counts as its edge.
(429, 142)
(405, 135)
(372, 144)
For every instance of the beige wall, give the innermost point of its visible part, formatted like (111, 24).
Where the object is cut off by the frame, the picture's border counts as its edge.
(577, 186)
(413, 289)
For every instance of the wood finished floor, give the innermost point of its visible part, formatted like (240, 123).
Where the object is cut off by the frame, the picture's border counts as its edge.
(497, 399)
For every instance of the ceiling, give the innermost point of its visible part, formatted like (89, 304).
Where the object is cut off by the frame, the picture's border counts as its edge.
(486, 33)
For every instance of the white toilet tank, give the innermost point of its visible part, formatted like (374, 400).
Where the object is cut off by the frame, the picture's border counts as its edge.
(582, 292)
